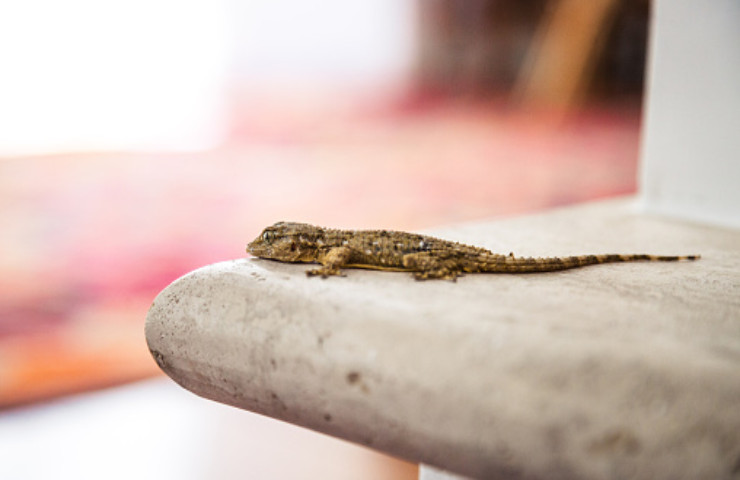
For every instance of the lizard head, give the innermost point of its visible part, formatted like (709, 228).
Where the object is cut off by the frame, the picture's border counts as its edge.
(287, 242)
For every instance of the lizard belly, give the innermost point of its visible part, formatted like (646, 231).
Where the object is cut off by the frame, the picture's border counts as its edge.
(385, 268)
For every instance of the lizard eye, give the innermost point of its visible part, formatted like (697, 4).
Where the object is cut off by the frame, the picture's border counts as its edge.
(268, 236)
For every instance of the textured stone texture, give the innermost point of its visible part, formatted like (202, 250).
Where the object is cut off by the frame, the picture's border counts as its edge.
(607, 372)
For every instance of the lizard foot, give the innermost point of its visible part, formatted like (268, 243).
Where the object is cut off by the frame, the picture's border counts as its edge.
(441, 274)
(324, 272)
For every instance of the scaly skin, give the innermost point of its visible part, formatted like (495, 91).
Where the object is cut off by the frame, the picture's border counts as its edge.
(426, 257)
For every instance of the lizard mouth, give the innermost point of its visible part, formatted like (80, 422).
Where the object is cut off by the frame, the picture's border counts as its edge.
(254, 249)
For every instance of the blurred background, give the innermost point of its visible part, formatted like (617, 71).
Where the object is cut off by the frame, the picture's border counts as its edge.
(140, 140)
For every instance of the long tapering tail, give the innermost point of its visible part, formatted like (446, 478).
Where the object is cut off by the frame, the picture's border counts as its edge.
(513, 264)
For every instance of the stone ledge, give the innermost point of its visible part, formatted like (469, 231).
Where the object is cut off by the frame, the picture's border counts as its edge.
(611, 371)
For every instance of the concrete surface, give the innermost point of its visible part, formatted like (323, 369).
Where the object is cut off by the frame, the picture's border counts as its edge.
(611, 371)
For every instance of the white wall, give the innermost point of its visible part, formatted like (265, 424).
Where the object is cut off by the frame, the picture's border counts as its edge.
(294, 42)
(109, 75)
(80, 75)
(691, 150)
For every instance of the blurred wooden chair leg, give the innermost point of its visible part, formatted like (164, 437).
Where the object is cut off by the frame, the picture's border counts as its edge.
(563, 53)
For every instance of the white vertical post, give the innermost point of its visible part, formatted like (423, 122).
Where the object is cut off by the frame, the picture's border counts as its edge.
(691, 150)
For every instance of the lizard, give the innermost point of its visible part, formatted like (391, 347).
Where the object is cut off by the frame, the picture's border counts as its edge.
(424, 256)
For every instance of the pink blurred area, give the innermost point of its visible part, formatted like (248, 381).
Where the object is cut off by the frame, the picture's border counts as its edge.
(91, 238)
(353, 117)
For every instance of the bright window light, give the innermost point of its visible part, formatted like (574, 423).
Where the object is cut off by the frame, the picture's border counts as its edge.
(111, 75)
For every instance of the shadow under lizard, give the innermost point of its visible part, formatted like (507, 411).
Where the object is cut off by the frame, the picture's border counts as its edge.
(424, 256)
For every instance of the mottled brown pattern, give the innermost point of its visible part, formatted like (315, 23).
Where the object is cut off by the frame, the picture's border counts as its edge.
(426, 257)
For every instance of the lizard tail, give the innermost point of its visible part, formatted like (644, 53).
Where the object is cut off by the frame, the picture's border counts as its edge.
(512, 264)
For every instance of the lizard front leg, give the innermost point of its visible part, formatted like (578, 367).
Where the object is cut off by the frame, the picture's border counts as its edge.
(426, 267)
(332, 262)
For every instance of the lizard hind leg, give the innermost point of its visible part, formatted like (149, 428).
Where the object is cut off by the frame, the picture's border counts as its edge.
(426, 267)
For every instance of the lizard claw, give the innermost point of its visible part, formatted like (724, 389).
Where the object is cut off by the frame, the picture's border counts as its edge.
(437, 274)
(325, 272)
